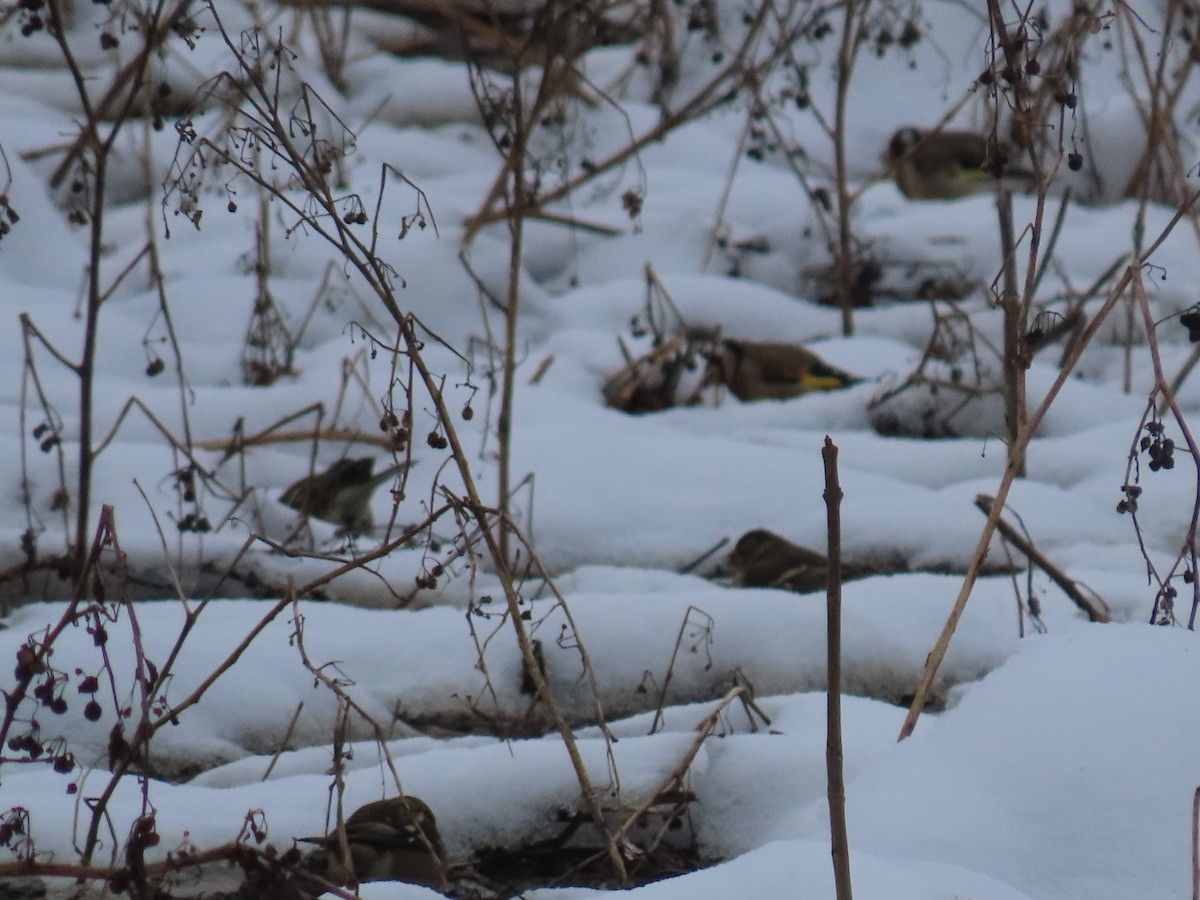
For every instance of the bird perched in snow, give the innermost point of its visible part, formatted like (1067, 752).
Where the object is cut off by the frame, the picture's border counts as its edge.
(341, 494)
(948, 164)
(762, 558)
(769, 370)
(390, 840)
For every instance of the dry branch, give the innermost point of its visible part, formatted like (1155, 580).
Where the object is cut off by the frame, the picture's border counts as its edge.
(1091, 609)
(835, 775)
(934, 660)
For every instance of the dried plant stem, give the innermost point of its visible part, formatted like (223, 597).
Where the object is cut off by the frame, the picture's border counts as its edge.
(347, 435)
(346, 704)
(835, 775)
(1014, 328)
(1093, 611)
(679, 772)
(516, 231)
(852, 36)
(938, 653)
(666, 684)
(480, 513)
(934, 660)
(283, 742)
(93, 147)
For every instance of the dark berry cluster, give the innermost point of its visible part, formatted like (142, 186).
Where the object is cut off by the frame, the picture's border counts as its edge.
(198, 523)
(49, 690)
(1191, 321)
(14, 826)
(8, 216)
(47, 437)
(1129, 503)
(1160, 449)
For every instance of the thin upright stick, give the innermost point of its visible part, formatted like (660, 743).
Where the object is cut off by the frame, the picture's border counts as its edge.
(1014, 329)
(839, 843)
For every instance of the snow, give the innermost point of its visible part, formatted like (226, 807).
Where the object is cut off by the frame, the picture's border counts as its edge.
(1056, 766)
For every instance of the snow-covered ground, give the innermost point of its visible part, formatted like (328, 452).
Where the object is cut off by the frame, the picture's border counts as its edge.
(1061, 767)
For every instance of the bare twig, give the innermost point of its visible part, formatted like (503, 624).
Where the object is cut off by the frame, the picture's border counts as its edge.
(706, 626)
(283, 742)
(1091, 609)
(836, 783)
(1014, 331)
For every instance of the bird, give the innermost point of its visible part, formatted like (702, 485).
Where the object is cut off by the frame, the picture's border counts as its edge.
(761, 558)
(769, 370)
(945, 164)
(341, 494)
(395, 839)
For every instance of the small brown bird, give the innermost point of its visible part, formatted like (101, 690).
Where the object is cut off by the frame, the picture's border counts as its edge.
(769, 370)
(341, 494)
(948, 164)
(390, 840)
(762, 558)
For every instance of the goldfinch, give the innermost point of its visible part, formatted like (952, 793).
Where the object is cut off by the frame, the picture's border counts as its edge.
(341, 494)
(948, 164)
(390, 840)
(762, 558)
(767, 370)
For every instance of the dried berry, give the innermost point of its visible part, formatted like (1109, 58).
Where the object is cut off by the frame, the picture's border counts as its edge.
(28, 663)
(1191, 321)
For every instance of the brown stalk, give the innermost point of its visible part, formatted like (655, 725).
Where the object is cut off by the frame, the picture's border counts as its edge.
(1096, 612)
(853, 34)
(666, 684)
(834, 758)
(679, 772)
(937, 654)
(1015, 413)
